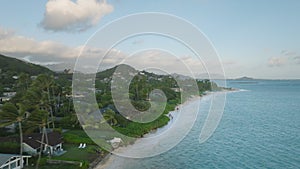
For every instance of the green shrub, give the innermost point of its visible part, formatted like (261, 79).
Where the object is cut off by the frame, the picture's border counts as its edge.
(10, 148)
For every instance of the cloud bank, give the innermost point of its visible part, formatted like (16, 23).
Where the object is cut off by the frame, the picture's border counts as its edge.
(46, 52)
(276, 61)
(60, 56)
(20, 46)
(67, 15)
(285, 57)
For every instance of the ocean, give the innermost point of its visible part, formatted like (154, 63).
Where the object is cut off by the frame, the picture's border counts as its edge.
(260, 128)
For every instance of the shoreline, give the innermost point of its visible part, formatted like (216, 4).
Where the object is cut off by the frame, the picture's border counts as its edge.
(110, 157)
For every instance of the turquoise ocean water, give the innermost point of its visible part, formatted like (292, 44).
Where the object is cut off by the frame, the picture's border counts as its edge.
(260, 128)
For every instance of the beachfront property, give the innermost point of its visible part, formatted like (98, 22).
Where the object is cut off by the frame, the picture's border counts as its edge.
(32, 144)
(12, 161)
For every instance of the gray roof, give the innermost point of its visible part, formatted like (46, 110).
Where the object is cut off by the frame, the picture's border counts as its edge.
(34, 139)
(5, 157)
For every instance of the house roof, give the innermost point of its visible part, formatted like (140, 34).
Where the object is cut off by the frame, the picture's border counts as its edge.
(34, 140)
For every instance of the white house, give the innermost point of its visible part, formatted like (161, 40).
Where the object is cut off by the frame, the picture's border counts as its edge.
(32, 143)
(13, 161)
(7, 96)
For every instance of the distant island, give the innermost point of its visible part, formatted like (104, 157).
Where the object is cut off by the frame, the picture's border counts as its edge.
(245, 78)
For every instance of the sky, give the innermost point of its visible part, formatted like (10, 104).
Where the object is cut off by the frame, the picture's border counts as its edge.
(258, 38)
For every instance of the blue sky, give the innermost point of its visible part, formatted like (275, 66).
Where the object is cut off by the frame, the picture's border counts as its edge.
(253, 38)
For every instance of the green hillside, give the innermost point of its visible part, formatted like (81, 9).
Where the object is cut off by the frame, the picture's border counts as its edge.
(10, 67)
(16, 66)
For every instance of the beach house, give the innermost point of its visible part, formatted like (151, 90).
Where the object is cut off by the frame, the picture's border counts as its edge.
(32, 143)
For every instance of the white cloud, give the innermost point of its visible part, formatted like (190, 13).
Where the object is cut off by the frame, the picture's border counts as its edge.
(66, 15)
(276, 61)
(297, 59)
(21, 46)
(6, 33)
(163, 61)
(50, 52)
(286, 57)
(43, 52)
(288, 53)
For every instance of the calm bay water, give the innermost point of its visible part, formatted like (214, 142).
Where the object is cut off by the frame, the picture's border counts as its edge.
(260, 128)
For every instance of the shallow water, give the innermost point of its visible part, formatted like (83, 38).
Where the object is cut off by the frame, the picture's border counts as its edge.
(260, 128)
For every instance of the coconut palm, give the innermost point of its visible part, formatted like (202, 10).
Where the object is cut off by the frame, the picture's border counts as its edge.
(109, 116)
(23, 82)
(45, 83)
(39, 119)
(9, 115)
(56, 91)
(34, 99)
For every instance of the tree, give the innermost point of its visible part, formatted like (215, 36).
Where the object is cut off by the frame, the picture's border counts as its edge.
(109, 116)
(39, 119)
(45, 82)
(35, 99)
(56, 90)
(10, 114)
(23, 82)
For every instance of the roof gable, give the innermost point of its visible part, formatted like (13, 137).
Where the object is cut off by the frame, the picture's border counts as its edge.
(34, 140)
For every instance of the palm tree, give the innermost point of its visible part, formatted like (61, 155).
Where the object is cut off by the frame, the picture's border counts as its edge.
(11, 115)
(23, 82)
(34, 99)
(109, 116)
(66, 99)
(39, 119)
(21, 87)
(45, 82)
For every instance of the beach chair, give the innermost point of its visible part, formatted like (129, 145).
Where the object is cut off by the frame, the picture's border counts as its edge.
(83, 146)
(80, 146)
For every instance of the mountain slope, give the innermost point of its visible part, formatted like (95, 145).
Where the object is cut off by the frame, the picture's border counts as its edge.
(15, 66)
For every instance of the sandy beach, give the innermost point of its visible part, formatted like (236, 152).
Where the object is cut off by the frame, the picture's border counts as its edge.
(155, 140)
(168, 136)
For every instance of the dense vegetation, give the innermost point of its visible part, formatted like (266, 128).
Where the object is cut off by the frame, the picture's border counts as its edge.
(44, 100)
(140, 87)
(10, 67)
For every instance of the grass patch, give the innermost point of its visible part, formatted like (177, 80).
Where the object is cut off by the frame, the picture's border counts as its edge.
(55, 166)
(10, 147)
(77, 137)
(86, 156)
(74, 153)
(43, 164)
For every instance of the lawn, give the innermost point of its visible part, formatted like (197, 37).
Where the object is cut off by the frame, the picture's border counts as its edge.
(74, 153)
(72, 139)
(86, 156)
(79, 136)
(44, 165)
(55, 166)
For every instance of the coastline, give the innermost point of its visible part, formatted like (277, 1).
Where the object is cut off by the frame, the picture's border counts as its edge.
(109, 159)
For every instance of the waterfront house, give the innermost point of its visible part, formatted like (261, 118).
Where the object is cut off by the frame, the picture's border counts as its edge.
(32, 143)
